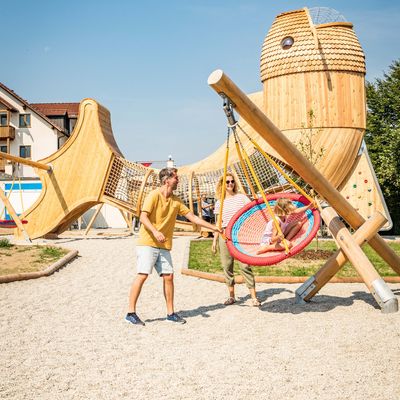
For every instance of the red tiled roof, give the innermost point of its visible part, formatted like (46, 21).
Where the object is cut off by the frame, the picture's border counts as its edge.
(7, 105)
(26, 104)
(50, 109)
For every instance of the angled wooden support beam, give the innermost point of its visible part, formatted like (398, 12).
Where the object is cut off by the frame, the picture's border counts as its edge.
(25, 161)
(14, 216)
(126, 217)
(225, 87)
(350, 250)
(94, 216)
(314, 284)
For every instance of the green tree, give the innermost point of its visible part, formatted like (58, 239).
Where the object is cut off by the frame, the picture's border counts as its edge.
(383, 137)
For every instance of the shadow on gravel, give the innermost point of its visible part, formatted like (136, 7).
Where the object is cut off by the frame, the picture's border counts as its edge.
(204, 311)
(319, 303)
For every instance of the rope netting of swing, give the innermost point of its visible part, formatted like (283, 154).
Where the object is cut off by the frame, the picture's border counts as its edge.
(245, 229)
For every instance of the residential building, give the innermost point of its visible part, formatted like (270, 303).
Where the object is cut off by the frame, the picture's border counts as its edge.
(64, 115)
(26, 132)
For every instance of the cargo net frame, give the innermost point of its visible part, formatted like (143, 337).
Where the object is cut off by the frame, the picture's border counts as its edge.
(129, 183)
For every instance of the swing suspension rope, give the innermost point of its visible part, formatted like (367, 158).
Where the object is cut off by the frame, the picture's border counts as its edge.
(5, 223)
(247, 168)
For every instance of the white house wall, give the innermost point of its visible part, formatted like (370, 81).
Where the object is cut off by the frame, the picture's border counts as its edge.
(41, 136)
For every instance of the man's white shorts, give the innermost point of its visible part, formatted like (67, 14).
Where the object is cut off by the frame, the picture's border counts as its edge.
(149, 257)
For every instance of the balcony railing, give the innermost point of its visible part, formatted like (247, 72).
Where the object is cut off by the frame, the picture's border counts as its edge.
(7, 132)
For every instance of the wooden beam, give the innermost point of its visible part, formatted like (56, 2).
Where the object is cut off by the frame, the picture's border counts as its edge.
(141, 192)
(353, 252)
(126, 218)
(224, 86)
(14, 215)
(310, 288)
(25, 161)
(312, 27)
(94, 216)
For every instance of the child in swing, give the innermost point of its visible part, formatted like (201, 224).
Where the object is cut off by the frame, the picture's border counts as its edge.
(271, 239)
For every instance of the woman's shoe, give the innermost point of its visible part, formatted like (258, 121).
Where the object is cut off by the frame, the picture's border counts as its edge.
(229, 301)
(256, 303)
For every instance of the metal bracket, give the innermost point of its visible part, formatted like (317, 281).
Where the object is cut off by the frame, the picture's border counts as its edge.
(384, 296)
(228, 110)
(304, 290)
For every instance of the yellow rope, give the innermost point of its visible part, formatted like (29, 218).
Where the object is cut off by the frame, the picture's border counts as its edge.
(20, 194)
(253, 192)
(286, 176)
(8, 197)
(223, 189)
(261, 190)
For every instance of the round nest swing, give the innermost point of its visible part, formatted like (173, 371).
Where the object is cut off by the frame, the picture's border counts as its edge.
(10, 223)
(245, 230)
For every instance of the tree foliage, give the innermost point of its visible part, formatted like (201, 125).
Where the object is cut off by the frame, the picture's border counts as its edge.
(383, 136)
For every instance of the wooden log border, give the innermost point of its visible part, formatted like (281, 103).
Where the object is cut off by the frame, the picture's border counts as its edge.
(38, 274)
(185, 270)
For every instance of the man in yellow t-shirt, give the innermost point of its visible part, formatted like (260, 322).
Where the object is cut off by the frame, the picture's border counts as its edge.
(158, 217)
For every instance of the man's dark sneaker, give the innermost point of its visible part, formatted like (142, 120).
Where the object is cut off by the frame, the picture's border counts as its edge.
(176, 318)
(132, 318)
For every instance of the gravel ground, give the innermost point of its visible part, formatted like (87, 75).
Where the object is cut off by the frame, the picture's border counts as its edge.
(64, 337)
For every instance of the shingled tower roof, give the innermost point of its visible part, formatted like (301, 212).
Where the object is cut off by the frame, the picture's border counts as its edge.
(330, 46)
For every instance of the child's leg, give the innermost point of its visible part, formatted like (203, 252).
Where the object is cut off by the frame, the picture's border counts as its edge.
(292, 229)
(270, 247)
(264, 248)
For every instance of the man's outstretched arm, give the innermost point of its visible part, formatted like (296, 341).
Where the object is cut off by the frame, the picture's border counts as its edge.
(198, 221)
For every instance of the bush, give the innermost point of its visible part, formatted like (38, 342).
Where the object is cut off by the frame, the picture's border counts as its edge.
(5, 244)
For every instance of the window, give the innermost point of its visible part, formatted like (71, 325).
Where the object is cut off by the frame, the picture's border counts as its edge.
(3, 119)
(25, 151)
(24, 120)
(3, 149)
(287, 42)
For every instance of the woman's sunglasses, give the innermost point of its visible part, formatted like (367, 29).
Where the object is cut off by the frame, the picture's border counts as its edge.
(228, 182)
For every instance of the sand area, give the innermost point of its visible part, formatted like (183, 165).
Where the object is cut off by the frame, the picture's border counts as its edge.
(64, 337)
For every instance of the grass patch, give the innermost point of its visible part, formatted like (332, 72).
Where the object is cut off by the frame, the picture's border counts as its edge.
(16, 259)
(5, 244)
(306, 263)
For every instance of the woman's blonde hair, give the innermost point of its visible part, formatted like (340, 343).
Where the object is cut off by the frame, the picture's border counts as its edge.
(283, 207)
(218, 189)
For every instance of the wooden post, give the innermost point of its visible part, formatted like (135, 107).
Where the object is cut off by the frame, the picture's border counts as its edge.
(94, 216)
(350, 249)
(126, 218)
(141, 192)
(277, 140)
(191, 207)
(313, 285)
(14, 215)
(25, 161)
(198, 195)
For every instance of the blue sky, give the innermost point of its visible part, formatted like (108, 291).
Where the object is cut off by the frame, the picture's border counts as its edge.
(148, 61)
